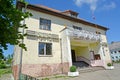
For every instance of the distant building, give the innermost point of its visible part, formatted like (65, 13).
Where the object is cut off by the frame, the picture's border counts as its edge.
(115, 51)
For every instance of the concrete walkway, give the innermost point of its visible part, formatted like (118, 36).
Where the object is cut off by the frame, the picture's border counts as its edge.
(7, 77)
(97, 75)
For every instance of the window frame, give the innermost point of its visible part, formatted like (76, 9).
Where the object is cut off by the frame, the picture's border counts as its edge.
(45, 49)
(77, 28)
(45, 24)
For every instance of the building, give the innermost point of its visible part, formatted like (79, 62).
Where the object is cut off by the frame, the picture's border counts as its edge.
(115, 51)
(58, 39)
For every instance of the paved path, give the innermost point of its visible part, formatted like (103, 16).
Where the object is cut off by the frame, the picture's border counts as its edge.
(6, 77)
(97, 75)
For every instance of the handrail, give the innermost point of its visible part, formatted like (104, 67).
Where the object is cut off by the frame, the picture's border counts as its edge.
(27, 77)
(81, 58)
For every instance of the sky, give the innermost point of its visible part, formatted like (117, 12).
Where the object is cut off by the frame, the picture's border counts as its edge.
(106, 13)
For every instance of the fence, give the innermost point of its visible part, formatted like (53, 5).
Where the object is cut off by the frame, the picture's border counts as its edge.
(27, 77)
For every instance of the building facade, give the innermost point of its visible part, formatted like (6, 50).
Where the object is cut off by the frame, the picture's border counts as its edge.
(115, 51)
(57, 39)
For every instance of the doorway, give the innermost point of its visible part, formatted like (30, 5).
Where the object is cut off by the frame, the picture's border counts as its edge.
(73, 55)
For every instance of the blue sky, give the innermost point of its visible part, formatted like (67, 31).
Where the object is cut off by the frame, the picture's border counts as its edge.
(106, 12)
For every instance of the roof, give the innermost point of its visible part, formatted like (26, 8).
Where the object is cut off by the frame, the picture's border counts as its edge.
(114, 46)
(57, 13)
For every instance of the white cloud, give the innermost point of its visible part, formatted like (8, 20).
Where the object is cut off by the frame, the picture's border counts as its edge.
(91, 3)
(112, 5)
(94, 4)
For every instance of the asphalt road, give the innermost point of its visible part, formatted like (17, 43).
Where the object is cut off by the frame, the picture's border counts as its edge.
(98, 75)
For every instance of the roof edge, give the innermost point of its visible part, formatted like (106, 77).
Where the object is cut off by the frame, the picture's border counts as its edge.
(59, 14)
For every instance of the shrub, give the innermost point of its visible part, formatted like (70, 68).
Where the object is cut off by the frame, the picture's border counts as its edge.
(3, 66)
(109, 64)
(73, 69)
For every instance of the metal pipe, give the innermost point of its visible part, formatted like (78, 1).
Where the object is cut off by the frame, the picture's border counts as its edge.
(21, 52)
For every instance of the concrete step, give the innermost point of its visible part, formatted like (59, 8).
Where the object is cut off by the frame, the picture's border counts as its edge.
(80, 64)
(89, 69)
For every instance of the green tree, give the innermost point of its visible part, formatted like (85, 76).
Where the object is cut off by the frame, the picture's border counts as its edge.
(1, 56)
(10, 18)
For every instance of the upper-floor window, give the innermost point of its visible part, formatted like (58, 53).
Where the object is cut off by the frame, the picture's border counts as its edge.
(112, 57)
(97, 32)
(45, 24)
(111, 52)
(115, 51)
(119, 51)
(76, 27)
(45, 48)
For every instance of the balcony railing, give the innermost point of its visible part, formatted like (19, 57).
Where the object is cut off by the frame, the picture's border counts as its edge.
(83, 34)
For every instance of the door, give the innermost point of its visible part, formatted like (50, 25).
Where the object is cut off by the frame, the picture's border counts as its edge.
(73, 55)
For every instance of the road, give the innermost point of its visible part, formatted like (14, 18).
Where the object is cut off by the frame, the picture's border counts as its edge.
(97, 75)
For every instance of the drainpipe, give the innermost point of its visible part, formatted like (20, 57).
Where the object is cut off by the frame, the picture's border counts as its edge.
(61, 54)
(21, 51)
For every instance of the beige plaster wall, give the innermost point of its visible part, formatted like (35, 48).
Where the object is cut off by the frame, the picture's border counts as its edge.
(57, 24)
(81, 51)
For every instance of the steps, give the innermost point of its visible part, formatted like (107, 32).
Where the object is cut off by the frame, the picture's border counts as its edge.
(83, 67)
(89, 69)
(80, 64)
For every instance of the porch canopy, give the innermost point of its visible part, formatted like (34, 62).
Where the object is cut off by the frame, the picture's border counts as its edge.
(82, 35)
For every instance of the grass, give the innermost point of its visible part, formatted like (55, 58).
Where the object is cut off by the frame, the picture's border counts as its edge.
(5, 71)
(57, 76)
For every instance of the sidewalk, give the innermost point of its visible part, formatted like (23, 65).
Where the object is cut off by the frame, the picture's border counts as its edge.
(7, 77)
(97, 75)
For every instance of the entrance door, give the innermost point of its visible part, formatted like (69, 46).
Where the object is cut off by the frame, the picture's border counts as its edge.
(73, 55)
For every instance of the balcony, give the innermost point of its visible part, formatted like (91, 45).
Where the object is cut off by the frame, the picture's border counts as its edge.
(82, 34)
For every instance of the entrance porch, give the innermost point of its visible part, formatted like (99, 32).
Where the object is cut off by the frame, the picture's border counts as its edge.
(82, 48)
(85, 54)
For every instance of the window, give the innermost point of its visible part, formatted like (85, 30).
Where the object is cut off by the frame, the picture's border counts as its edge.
(115, 52)
(111, 52)
(76, 27)
(98, 32)
(112, 57)
(119, 51)
(45, 24)
(45, 48)
(116, 57)
(97, 56)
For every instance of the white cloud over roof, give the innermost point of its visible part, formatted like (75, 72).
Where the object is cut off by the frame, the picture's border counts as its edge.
(95, 4)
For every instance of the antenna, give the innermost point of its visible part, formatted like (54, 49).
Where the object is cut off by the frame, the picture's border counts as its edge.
(94, 18)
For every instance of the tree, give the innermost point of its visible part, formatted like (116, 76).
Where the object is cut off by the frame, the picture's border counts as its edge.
(10, 18)
(1, 56)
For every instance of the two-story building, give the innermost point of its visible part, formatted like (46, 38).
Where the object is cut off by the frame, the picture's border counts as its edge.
(115, 51)
(56, 40)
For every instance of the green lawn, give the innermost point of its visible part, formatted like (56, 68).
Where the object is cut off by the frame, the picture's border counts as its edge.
(5, 71)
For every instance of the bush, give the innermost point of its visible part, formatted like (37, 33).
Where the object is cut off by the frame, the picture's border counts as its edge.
(109, 64)
(73, 69)
(3, 66)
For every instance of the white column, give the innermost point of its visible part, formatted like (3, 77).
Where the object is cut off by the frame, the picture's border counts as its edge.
(102, 55)
(69, 50)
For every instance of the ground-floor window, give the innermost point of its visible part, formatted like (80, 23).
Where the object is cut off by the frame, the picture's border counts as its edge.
(45, 48)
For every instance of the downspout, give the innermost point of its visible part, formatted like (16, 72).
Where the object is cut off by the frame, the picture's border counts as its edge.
(21, 51)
